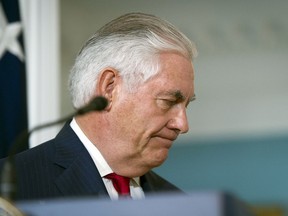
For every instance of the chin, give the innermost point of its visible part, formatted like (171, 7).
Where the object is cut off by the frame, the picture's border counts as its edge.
(159, 159)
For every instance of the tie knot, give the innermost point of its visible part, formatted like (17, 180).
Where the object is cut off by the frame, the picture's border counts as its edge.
(120, 183)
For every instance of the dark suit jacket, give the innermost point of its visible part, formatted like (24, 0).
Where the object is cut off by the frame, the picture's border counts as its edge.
(62, 167)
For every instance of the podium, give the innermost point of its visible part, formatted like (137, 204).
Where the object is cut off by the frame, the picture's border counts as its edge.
(192, 204)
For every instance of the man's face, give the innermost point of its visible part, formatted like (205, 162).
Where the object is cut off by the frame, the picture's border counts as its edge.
(148, 120)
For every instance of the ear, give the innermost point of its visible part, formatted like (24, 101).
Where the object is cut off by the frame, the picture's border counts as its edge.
(107, 84)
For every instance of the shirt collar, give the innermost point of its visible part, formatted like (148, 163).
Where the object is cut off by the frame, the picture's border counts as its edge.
(100, 162)
(95, 154)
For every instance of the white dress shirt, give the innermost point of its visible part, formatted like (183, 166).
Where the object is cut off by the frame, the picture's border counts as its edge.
(104, 169)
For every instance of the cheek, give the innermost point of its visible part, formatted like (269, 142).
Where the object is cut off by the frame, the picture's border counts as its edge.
(129, 125)
(136, 124)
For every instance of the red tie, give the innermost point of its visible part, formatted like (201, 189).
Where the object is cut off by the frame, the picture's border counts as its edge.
(120, 183)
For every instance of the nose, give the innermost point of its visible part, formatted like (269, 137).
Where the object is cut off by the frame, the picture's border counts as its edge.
(179, 121)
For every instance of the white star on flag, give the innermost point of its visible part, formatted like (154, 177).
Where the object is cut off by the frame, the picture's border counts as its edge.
(8, 36)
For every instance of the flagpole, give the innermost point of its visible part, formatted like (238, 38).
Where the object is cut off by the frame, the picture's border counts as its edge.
(42, 33)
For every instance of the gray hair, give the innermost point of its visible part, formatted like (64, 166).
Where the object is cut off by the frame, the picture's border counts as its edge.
(130, 44)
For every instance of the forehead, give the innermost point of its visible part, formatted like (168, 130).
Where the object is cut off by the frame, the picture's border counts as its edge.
(176, 74)
(177, 65)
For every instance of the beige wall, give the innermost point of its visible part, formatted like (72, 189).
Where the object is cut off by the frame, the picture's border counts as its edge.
(241, 70)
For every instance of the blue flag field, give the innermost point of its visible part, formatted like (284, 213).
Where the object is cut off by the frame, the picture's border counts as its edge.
(13, 105)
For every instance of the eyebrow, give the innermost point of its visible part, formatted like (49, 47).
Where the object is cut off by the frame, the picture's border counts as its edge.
(177, 94)
(193, 98)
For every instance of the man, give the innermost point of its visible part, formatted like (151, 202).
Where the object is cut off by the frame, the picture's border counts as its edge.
(143, 66)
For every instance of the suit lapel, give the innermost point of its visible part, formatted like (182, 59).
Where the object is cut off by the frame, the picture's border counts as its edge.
(80, 176)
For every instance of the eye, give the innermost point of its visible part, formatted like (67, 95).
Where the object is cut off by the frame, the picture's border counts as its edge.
(170, 102)
(166, 103)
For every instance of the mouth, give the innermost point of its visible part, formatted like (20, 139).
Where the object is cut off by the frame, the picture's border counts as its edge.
(165, 141)
(168, 136)
(164, 138)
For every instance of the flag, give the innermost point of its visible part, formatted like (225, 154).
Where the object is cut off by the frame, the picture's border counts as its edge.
(13, 105)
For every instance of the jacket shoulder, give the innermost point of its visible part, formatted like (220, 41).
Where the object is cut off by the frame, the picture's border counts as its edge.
(152, 182)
